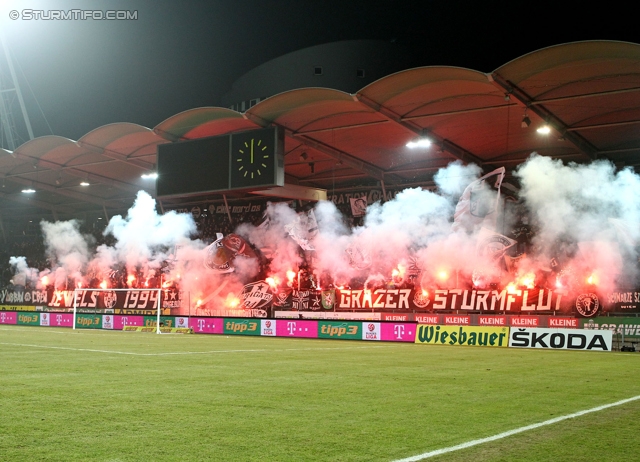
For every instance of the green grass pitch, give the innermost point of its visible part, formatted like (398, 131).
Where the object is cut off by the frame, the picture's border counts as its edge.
(122, 396)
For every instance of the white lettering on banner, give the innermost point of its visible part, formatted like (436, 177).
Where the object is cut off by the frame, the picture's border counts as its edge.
(563, 339)
(494, 300)
(380, 298)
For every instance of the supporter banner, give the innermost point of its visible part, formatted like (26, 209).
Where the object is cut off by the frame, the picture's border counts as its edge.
(120, 322)
(29, 319)
(17, 308)
(241, 326)
(306, 329)
(60, 319)
(338, 329)
(556, 322)
(371, 331)
(23, 297)
(562, 339)
(121, 302)
(629, 327)
(463, 335)
(165, 321)
(621, 302)
(398, 332)
(207, 325)
(88, 321)
(8, 317)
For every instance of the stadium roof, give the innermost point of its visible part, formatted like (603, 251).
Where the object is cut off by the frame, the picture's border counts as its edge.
(588, 93)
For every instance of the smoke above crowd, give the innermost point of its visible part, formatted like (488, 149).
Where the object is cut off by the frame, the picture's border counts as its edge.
(552, 225)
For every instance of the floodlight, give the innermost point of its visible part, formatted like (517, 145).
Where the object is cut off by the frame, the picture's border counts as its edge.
(419, 143)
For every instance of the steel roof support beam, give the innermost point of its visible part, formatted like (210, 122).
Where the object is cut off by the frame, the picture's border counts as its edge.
(446, 145)
(64, 192)
(344, 157)
(22, 200)
(117, 156)
(538, 109)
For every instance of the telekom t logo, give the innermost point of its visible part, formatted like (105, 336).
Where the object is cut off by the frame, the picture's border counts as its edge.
(3, 317)
(291, 327)
(398, 330)
(58, 319)
(124, 320)
(201, 324)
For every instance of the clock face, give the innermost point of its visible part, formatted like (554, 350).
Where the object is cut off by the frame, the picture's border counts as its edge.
(252, 158)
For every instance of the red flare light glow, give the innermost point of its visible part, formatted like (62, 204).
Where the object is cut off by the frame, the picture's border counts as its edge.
(103, 285)
(45, 281)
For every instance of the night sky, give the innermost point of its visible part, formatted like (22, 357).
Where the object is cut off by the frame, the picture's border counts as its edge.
(182, 55)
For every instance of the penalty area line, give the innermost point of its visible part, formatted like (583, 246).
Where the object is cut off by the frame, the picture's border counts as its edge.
(515, 431)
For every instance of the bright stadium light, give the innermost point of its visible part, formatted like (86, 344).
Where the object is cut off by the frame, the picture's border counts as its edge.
(28, 191)
(149, 176)
(419, 143)
(84, 183)
(544, 130)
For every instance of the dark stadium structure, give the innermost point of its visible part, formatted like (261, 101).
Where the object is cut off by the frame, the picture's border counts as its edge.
(585, 94)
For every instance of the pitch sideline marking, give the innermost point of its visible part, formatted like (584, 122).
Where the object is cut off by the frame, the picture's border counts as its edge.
(515, 431)
(188, 352)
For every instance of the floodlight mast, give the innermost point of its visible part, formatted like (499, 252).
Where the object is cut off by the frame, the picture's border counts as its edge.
(5, 111)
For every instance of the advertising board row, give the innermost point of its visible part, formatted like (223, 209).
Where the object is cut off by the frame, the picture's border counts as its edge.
(592, 338)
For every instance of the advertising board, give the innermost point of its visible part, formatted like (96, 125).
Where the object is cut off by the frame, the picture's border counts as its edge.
(561, 339)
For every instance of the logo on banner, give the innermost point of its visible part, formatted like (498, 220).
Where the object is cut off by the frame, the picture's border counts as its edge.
(282, 299)
(587, 305)
(58, 319)
(182, 322)
(44, 319)
(328, 299)
(268, 328)
(107, 322)
(421, 298)
(398, 331)
(571, 339)
(109, 299)
(256, 295)
(301, 300)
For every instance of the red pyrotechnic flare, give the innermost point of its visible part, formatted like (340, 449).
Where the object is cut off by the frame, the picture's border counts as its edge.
(443, 275)
(232, 301)
(45, 280)
(273, 281)
(131, 278)
(103, 285)
(592, 280)
(290, 276)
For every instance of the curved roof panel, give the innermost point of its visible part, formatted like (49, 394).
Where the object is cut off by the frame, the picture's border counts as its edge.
(587, 92)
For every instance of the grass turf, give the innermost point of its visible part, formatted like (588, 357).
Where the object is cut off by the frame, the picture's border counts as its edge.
(119, 396)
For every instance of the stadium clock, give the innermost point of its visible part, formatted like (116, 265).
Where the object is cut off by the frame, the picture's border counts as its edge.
(253, 159)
